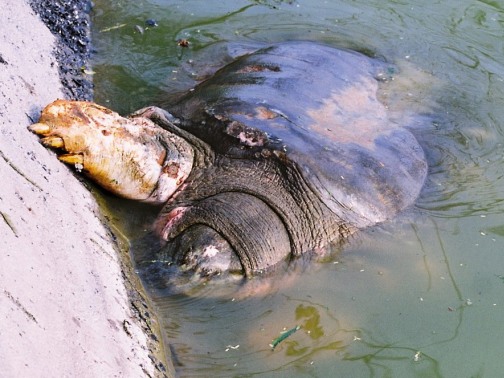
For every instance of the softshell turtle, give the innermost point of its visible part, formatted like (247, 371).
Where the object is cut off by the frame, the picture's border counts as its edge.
(280, 152)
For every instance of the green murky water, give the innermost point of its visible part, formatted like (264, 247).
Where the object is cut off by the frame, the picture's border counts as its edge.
(422, 296)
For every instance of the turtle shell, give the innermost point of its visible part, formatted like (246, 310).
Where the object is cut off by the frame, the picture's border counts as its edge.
(318, 106)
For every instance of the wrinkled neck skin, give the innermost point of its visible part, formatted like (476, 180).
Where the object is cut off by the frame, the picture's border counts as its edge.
(240, 215)
(202, 154)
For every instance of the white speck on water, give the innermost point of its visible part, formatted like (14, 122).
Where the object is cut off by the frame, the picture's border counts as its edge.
(416, 358)
(232, 347)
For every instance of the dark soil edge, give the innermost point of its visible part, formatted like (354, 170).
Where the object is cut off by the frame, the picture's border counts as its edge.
(69, 21)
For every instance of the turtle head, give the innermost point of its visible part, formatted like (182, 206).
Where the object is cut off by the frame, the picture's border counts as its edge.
(131, 157)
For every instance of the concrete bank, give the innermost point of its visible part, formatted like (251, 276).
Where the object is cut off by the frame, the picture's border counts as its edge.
(67, 306)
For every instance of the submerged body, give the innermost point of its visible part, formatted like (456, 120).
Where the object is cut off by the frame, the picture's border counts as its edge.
(279, 153)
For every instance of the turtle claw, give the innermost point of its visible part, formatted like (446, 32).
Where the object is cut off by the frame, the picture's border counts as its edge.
(53, 142)
(75, 159)
(39, 128)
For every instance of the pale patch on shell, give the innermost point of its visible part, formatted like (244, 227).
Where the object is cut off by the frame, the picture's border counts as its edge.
(352, 114)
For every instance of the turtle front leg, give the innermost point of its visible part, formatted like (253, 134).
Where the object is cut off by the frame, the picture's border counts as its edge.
(131, 157)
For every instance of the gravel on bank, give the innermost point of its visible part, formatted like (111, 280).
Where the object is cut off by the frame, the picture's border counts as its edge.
(69, 22)
(67, 306)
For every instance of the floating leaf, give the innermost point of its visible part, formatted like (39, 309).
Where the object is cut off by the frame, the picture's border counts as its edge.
(283, 336)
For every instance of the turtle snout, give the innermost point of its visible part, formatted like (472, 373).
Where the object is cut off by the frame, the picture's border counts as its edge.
(201, 252)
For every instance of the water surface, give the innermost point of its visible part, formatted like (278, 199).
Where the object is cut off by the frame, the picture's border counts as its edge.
(420, 296)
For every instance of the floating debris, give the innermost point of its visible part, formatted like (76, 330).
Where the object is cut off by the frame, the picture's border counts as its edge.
(139, 29)
(283, 336)
(118, 26)
(151, 22)
(232, 347)
(86, 71)
(417, 356)
(183, 42)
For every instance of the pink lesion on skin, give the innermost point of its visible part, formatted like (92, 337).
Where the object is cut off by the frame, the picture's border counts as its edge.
(167, 222)
(172, 170)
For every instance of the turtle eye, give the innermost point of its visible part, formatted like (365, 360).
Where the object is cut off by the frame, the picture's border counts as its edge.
(188, 262)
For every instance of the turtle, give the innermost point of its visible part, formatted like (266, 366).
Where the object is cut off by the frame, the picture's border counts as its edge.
(279, 153)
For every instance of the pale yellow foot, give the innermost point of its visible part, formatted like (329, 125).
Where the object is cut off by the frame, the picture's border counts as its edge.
(131, 157)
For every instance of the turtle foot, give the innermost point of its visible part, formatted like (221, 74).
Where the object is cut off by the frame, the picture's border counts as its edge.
(131, 157)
